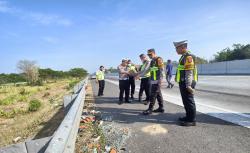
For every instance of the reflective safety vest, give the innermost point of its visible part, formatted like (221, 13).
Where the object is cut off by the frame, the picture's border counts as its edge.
(155, 69)
(143, 68)
(182, 67)
(132, 68)
(100, 75)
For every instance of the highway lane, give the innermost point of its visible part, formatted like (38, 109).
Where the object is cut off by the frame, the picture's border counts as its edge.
(234, 108)
(160, 132)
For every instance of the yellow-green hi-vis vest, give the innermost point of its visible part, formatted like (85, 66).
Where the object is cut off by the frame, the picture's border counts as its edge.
(147, 75)
(100, 75)
(132, 68)
(186, 62)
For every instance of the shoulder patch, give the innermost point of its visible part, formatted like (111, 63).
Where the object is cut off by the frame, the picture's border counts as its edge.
(189, 63)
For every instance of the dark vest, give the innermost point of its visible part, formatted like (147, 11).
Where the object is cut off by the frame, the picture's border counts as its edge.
(155, 71)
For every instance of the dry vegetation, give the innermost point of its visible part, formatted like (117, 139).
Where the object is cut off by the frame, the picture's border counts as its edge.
(31, 111)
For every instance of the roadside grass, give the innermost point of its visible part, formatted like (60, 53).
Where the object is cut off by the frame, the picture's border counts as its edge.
(21, 116)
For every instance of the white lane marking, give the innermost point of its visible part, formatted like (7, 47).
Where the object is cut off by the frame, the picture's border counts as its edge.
(221, 113)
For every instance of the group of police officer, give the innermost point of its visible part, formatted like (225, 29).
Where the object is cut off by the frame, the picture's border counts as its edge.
(151, 74)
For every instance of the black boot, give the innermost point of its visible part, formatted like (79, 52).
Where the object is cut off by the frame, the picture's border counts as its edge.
(187, 123)
(182, 119)
(147, 112)
(159, 110)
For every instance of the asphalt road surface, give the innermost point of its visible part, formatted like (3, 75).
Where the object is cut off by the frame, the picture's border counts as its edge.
(225, 97)
(160, 133)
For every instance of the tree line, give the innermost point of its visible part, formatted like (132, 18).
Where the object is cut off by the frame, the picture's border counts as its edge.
(33, 75)
(237, 52)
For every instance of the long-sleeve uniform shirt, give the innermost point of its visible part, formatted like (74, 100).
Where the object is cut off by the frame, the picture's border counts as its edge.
(123, 72)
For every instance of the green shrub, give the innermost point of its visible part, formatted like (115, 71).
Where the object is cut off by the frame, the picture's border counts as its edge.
(34, 105)
(8, 100)
(51, 100)
(23, 98)
(22, 91)
(47, 88)
(72, 84)
(39, 82)
(12, 113)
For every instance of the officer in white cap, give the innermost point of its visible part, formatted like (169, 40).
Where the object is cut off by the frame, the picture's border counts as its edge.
(123, 81)
(186, 76)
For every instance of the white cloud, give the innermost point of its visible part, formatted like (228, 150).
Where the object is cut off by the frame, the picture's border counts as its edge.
(34, 17)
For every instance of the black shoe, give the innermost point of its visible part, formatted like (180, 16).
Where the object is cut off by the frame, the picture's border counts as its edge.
(172, 85)
(182, 119)
(120, 102)
(147, 112)
(145, 102)
(186, 123)
(128, 101)
(159, 110)
(168, 86)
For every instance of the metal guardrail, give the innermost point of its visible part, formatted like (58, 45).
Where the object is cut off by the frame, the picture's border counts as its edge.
(63, 140)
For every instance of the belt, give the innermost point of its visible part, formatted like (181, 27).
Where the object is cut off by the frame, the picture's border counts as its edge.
(123, 78)
(154, 82)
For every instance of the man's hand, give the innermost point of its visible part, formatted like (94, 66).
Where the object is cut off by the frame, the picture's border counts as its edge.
(190, 90)
(96, 81)
(137, 77)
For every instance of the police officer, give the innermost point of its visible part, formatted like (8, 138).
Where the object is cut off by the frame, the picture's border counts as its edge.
(132, 70)
(156, 70)
(123, 81)
(145, 80)
(100, 75)
(186, 76)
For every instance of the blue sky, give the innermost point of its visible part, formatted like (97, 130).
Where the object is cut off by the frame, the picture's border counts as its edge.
(88, 33)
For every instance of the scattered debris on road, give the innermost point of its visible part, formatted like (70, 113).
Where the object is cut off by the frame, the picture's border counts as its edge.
(97, 133)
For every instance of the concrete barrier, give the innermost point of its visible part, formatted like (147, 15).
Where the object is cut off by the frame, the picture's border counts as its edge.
(236, 67)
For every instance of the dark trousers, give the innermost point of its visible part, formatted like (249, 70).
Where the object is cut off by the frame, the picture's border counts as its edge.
(132, 86)
(155, 94)
(145, 86)
(168, 78)
(188, 102)
(101, 87)
(124, 87)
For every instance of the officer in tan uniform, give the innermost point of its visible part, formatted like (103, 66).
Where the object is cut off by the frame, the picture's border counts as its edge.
(156, 69)
(186, 76)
